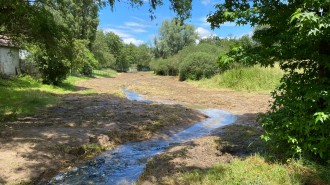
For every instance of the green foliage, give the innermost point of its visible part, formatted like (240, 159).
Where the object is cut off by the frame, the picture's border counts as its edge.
(53, 71)
(115, 43)
(144, 56)
(102, 52)
(198, 65)
(173, 36)
(170, 66)
(295, 34)
(239, 77)
(237, 54)
(131, 52)
(87, 69)
(122, 62)
(82, 19)
(228, 42)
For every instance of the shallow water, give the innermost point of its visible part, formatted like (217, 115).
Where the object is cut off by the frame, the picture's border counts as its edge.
(124, 164)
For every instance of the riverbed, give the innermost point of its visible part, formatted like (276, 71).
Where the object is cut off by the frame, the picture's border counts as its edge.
(124, 164)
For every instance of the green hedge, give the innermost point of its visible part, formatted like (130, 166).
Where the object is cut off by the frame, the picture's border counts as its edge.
(198, 65)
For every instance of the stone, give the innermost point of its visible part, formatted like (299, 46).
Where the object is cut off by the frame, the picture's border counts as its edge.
(101, 139)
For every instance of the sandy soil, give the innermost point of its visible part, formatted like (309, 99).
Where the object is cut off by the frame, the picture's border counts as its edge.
(41, 145)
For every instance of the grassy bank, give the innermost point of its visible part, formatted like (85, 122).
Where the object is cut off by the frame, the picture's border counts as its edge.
(22, 96)
(261, 165)
(254, 78)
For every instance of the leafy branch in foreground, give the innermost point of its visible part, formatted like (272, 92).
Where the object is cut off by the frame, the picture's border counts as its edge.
(295, 34)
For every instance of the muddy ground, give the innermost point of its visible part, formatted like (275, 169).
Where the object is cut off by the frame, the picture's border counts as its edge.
(81, 126)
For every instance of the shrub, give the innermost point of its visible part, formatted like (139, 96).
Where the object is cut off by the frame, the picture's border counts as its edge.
(170, 66)
(87, 69)
(198, 65)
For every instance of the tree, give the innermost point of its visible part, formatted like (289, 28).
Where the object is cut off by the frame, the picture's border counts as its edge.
(122, 62)
(115, 43)
(82, 19)
(295, 34)
(174, 35)
(143, 56)
(131, 53)
(101, 51)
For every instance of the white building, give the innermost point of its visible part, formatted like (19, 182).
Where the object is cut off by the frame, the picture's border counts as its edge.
(9, 56)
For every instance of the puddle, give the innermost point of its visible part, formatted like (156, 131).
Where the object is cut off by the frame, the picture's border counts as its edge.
(124, 164)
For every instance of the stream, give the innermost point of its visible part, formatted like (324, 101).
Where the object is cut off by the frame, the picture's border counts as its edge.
(125, 163)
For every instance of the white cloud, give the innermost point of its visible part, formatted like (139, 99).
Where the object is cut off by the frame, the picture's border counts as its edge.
(203, 33)
(137, 17)
(124, 27)
(133, 41)
(138, 30)
(135, 24)
(120, 33)
(206, 2)
(242, 34)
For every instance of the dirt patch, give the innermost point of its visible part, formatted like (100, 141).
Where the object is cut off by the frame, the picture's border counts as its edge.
(201, 153)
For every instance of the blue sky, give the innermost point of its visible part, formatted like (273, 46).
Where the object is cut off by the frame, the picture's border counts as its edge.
(135, 26)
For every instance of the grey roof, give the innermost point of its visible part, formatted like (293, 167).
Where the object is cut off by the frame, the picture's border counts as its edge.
(5, 41)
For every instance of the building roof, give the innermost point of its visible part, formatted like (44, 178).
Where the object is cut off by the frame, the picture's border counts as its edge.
(5, 42)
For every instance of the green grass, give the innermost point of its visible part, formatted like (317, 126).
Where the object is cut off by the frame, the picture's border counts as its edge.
(21, 96)
(254, 78)
(105, 73)
(88, 91)
(253, 170)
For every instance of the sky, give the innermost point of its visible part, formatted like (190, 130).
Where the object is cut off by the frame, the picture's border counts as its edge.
(135, 26)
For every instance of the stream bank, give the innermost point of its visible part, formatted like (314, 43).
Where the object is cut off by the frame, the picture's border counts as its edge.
(124, 164)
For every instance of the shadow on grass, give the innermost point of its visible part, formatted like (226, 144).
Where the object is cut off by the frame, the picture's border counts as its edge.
(24, 96)
(18, 102)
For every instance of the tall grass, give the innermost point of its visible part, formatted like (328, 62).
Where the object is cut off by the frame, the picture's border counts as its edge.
(254, 78)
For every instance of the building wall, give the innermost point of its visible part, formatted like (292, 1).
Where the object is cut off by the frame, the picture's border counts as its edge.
(9, 59)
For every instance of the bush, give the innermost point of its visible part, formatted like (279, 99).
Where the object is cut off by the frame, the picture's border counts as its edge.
(298, 120)
(53, 71)
(198, 65)
(87, 69)
(170, 66)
